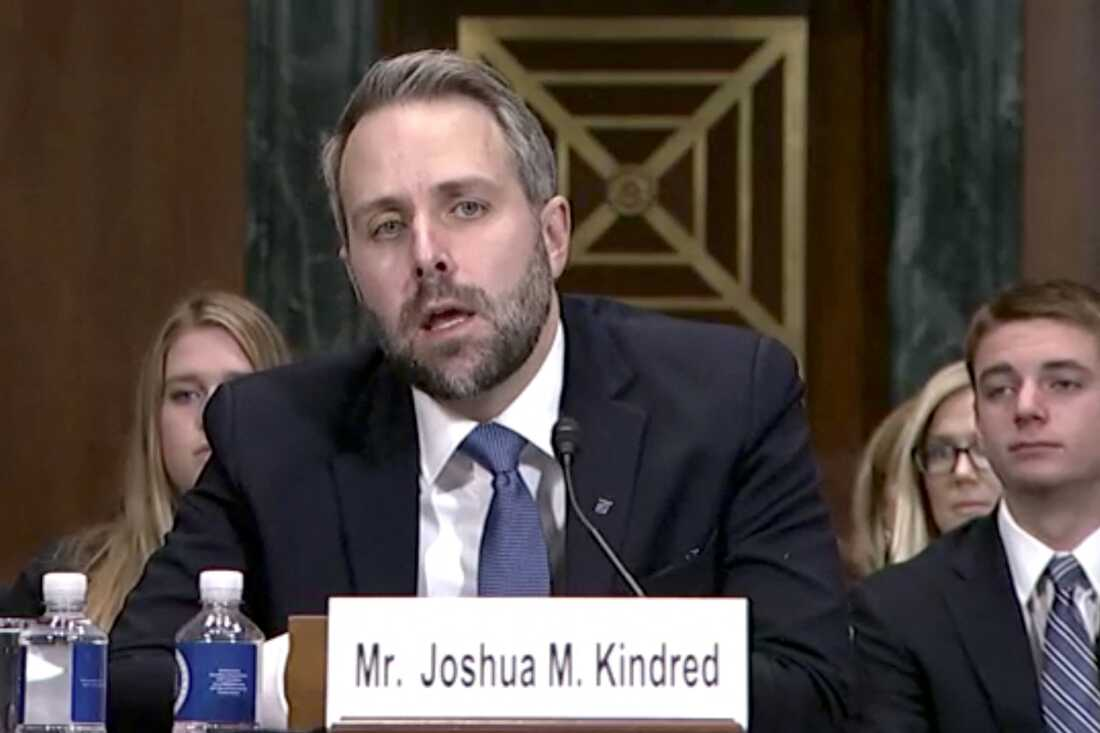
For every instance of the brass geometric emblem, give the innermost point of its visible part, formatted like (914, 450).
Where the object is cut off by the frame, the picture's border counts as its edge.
(681, 143)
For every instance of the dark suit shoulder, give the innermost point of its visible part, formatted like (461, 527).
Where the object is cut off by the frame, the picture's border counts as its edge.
(316, 390)
(941, 642)
(659, 330)
(686, 351)
(917, 581)
(317, 387)
(277, 420)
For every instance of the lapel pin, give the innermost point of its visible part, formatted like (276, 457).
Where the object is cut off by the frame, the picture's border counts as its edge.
(603, 506)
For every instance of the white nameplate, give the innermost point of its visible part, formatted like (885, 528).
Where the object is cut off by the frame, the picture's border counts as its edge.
(642, 658)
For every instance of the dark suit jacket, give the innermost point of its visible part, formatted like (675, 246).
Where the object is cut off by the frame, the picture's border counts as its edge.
(941, 643)
(696, 432)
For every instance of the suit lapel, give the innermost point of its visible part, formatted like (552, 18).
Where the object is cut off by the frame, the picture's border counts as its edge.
(376, 467)
(606, 465)
(375, 474)
(983, 603)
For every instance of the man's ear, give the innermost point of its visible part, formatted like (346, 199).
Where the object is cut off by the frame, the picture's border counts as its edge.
(556, 222)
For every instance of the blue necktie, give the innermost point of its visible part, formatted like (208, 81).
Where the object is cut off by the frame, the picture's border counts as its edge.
(1068, 685)
(513, 559)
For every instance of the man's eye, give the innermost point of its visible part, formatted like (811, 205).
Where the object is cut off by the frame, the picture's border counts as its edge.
(387, 229)
(996, 391)
(469, 209)
(1064, 385)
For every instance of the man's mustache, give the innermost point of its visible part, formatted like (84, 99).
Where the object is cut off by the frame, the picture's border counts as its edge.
(468, 297)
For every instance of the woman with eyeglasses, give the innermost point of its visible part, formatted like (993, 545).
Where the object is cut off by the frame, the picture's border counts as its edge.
(931, 474)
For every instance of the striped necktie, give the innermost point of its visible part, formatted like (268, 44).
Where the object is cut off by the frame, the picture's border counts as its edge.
(1068, 685)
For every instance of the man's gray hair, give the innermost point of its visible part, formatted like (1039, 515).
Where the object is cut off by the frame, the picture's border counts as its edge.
(431, 74)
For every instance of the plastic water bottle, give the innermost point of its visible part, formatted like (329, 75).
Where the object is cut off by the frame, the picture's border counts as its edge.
(64, 663)
(218, 657)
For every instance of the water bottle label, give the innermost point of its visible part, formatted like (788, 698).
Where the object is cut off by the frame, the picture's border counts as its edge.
(89, 682)
(216, 682)
(21, 692)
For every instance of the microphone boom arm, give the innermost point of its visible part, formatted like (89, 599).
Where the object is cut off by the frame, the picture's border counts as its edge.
(566, 440)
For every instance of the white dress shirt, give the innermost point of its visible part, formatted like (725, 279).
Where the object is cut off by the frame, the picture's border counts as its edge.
(455, 491)
(1027, 559)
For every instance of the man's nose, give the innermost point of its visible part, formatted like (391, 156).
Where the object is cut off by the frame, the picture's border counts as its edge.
(430, 252)
(1029, 403)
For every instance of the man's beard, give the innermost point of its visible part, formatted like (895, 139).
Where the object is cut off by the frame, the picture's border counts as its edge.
(516, 318)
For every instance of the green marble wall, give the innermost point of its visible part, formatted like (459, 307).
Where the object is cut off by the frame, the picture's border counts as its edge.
(955, 123)
(304, 58)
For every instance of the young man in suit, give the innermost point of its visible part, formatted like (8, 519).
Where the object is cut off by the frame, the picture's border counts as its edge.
(372, 473)
(993, 628)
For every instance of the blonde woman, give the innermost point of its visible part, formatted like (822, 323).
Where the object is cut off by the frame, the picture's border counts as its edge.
(872, 507)
(208, 338)
(935, 475)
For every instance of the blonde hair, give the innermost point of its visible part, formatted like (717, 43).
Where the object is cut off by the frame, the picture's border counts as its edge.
(113, 555)
(891, 520)
(871, 505)
(912, 527)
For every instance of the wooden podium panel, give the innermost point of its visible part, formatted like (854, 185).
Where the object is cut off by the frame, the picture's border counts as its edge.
(305, 672)
(305, 694)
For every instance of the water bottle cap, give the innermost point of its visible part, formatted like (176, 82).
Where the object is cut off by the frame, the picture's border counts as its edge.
(64, 587)
(221, 585)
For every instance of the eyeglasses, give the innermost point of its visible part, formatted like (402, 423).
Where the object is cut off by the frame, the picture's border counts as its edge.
(940, 459)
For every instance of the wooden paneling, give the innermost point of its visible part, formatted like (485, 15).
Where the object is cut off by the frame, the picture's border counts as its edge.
(848, 237)
(121, 163)
(1061, 166)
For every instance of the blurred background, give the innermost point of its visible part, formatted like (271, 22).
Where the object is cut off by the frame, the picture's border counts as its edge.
(851, 176)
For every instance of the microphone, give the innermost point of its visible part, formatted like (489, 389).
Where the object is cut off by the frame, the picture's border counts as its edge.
(566, 439)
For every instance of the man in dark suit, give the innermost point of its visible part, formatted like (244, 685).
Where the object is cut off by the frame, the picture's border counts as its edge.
(993, 628)
(325, 477)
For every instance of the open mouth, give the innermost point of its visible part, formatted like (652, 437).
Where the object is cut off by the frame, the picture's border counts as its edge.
(441, 319)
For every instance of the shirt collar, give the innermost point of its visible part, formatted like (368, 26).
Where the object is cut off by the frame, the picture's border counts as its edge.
(532, 414)
(1028, 557)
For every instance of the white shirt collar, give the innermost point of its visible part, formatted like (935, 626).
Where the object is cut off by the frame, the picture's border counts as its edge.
(532, 414)
(1028, 557)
